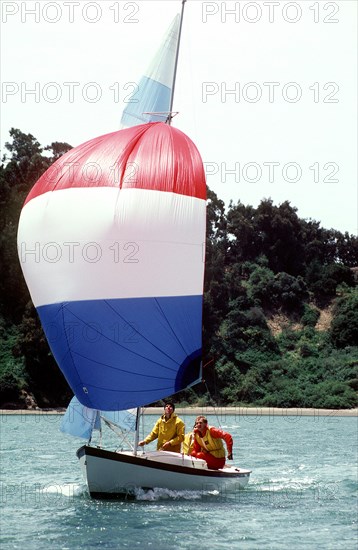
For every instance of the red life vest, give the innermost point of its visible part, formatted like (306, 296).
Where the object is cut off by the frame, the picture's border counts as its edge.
(212, 444)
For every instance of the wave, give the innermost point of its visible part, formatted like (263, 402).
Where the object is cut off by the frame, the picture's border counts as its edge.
(65, 489)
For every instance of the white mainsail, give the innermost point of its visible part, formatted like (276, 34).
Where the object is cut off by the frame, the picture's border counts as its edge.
(151, 101)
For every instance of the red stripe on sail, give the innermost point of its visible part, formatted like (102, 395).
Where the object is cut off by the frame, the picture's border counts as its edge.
(149, 156)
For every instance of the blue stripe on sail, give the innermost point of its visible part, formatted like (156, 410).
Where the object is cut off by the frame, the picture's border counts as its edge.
(151, 97)
(119, 354)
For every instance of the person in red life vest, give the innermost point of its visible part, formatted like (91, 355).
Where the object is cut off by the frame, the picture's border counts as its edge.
(208, 444)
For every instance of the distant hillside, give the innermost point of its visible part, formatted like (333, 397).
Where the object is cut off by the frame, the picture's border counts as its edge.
(279, 322)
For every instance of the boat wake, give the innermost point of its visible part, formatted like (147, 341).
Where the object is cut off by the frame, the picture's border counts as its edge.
(167, 494)
(75, 490)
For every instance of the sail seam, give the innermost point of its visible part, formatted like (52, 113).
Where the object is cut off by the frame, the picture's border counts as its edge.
(171, 328)
(118, 369)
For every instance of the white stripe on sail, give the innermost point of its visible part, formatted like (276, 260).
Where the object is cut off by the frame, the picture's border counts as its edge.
(106, 243)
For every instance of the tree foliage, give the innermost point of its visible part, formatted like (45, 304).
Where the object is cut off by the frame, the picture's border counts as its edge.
(344, 328)
(20, 366)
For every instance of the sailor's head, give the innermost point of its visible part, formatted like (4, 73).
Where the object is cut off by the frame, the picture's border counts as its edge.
(201, 422)
(169, 408)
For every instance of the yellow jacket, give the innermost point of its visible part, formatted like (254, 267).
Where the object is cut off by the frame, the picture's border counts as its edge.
(171, 430)
(188, 443)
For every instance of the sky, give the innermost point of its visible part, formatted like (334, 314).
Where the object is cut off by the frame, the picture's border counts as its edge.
(266, 89)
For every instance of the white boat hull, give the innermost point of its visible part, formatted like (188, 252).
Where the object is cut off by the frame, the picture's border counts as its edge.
(109, 474)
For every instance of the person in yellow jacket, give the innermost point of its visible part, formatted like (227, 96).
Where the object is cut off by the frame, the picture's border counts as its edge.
(169, 430)
(188, 443)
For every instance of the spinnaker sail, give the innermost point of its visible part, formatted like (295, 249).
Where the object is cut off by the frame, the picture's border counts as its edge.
(111, 242)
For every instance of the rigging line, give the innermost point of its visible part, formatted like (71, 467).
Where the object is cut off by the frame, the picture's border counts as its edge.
(121, 345)
(213, 404)
(123, 438)
(142, 335)
(207, 363)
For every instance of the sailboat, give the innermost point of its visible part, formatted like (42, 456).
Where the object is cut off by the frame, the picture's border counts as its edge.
(116, 230)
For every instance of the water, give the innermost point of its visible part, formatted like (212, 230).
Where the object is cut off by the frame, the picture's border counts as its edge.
(301, 495)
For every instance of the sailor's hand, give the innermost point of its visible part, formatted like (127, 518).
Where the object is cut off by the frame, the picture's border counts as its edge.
(141, 443)
(230, 457)
(165, 446)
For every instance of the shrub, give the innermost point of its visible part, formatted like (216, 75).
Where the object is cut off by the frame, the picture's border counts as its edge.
(288, 292)
(310, 316)
(260, 284)
(331, 394)
(13, 376)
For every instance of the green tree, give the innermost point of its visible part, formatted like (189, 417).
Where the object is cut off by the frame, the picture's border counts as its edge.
(23, 163)
(58, 148)
(280, 236)
(215, 292)
(260, 286)
(242, 233)
(323, 280)
(289, 293)
(344, 326)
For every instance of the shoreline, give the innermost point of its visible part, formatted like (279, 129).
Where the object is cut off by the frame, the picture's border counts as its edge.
(218, 411)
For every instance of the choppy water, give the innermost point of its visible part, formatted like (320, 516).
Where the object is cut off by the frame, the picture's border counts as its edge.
(302, 493)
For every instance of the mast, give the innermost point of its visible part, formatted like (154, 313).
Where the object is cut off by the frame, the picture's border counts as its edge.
(169, 118)
(136, 436)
